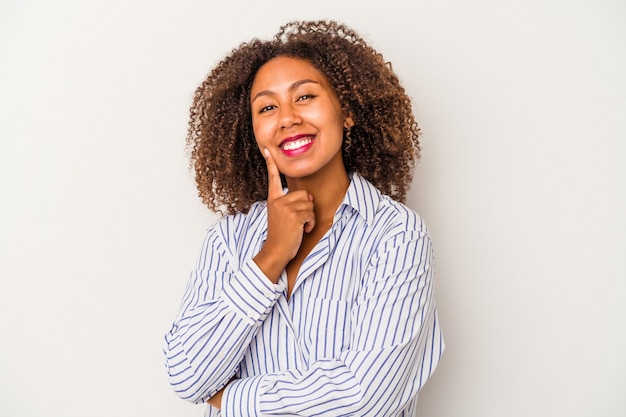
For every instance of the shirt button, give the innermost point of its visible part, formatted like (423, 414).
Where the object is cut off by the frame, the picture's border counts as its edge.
(268, 294)
(251, 314)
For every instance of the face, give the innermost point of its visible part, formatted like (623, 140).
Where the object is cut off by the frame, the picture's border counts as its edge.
(296, 115)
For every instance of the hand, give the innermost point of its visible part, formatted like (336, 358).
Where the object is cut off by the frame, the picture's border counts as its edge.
(216, 400)
(288, 217)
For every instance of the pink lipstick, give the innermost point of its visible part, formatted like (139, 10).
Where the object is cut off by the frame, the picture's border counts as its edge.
(296, 145)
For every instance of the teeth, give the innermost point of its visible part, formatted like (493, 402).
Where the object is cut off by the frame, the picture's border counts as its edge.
(295, 144)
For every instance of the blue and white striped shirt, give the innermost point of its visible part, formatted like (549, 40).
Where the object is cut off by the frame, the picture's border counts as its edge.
(358, 336)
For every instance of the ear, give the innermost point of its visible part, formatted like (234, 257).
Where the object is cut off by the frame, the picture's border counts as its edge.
(348, 122)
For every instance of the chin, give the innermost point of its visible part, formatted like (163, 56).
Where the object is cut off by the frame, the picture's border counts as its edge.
(298, 171)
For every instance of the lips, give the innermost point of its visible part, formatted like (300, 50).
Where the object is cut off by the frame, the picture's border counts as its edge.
(296, 145)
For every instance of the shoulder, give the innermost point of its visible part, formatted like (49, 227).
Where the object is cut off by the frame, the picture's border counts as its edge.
(399, 217)
(228, 239)
(232, 228)
(237, 224)
(399, 229)
(382, 212)
(395, 240)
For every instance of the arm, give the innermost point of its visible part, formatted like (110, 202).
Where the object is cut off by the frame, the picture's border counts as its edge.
(395, 346)
(223, 309)
(220, 313)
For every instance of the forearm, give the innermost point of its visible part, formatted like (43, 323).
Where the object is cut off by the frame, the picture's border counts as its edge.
(367, 384)
(207, 342)
(200, 362)
(270, 263)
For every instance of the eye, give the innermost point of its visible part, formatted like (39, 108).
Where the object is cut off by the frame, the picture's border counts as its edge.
(266, 109)
(305, 97)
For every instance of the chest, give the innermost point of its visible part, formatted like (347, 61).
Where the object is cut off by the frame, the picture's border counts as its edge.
(308, 327)
(314, 318)
(309, 241)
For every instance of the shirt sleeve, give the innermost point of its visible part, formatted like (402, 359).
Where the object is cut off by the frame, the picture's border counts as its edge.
(222, 309)
(395, 346)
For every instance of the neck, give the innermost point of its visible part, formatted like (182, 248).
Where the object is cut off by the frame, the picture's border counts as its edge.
(328, 192)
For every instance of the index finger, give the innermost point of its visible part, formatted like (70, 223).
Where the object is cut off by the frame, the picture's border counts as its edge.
(274, 185)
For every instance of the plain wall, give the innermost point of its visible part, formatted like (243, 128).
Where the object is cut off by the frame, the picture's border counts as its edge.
(522, 105)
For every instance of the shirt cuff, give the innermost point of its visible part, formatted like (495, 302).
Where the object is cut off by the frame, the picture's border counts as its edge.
(251, 294)
(240, 398)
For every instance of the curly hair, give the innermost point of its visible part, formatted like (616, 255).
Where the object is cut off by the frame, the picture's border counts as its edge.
(382, 146)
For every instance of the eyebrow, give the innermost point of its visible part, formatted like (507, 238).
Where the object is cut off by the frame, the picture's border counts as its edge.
(292, 87)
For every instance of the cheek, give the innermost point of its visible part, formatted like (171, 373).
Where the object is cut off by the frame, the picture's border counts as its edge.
(260, 132)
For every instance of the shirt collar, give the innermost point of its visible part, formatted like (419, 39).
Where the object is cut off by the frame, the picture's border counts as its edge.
(363, 197)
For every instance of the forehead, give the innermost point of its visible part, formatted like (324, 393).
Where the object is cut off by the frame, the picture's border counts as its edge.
(283, 71)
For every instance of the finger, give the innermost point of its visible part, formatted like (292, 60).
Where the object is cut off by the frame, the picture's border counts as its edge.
(274, 185)
(304, 218)
(309, 225)
(308, 213)
(293, 204)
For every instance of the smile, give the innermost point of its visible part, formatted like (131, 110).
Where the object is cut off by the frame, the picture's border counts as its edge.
(296, 144)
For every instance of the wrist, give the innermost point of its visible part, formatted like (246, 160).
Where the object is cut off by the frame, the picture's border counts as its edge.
(270, 264)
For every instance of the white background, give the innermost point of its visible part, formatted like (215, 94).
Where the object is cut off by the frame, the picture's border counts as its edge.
(522, 182)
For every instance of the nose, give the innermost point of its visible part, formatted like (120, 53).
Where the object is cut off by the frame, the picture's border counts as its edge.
(289, 116)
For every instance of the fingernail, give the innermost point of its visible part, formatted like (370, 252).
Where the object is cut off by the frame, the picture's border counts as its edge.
(266, 152)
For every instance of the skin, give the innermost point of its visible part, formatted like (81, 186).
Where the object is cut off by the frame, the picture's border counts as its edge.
(291, 100)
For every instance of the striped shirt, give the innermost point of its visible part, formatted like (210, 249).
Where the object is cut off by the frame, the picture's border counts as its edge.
(358, 336)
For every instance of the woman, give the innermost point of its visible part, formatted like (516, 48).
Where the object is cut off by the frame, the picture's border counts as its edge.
(314, 294)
